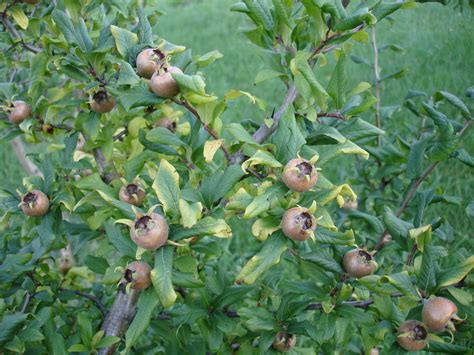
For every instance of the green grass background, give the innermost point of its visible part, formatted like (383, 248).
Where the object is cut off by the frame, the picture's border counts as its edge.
(439, 53)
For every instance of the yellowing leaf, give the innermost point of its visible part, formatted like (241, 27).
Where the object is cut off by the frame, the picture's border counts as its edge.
(19, 17)
(123, 39)
(422, 235)
(261, 157)
(161, 276)
(263, 227)
(166, 186)
(190, 213)
(210, 149)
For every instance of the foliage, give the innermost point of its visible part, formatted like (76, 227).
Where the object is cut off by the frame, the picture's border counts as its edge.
(228, 278)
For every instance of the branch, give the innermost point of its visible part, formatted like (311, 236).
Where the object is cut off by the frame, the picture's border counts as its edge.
(94, 299)
(30, 168)
(333, 115)
(356, 304)
(377, 83)
(106, 169)
(120, 316)
(208, 129)
(16, 35)
(264, 131)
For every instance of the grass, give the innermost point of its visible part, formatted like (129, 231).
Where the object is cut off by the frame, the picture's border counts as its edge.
(439, 55)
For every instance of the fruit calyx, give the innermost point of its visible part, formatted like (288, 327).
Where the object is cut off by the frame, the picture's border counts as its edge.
(132, 194)
(299, 175)
(102, 102)
(412, 335)
(298, 223)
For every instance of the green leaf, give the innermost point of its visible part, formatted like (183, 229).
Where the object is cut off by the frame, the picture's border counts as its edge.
(146, 305)
(77, 348)
(161, 276)
(108, 341)
(214, 187)
(338, 83)
(325, 236)
(19, 16)
(415, 159)
(164, 136)
(240, 133)
(127, 75)
(402, 282)
(463, 156)
(325, 135)
(134, 166)
(193, 83)
(288, 139)
(266, 74)
(453, 100)
(136, 96)
(259, 13)
(85, 327)
(384, 9)
(447, 348)
(324, 260)
(66, 27)
(267, 257)
(360, 16)
(82, 37)
(231, 295)
(11, 325)
(365, 105)
(455, 274)
(397, 228)
(145, 35)
(208, 226)
(96, 264)
(186, 280)
(121, 242)
(208, 59)
(190, 213)
(261, 157)
(440, 119)
(124, 39)
(166, 187)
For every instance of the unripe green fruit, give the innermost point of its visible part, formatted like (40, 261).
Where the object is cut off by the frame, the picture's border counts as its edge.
(437, 313)
(20, 111)
(298, 224)
(299, 175)
(35, 203)
(132, 194)
(284, 341)
(412, 335)
(102, 102)
(163, 84)
(138, 274)
(359, 263)
(149, 231)
(148, 62)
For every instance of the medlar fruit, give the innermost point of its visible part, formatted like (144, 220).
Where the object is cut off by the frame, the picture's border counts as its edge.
(163, 84)
(19, 112)
(437, 314)
(167, 123)
(284, 341)
(66, 261)
(359, 263)
(412, 335)
(350, 205)
(149, 231)
(35, 203)
(138, 274)
(132, 194)
(102, 102)
(298, 224)
(299, 175)
(148, 61)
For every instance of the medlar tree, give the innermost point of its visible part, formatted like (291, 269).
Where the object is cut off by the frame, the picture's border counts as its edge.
(122, 241)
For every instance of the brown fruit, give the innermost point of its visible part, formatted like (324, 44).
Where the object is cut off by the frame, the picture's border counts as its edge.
(437, 314)
(350, 205)
(149, 231)
(138, 274)
(167, 123)
(19, 112)
(66, 261)
(411, 335)
(299, 175)
(132, 194)
(163, 84)
(359, 263)
(374, 351)
(148, 61)
(298, 224)
(102, 102)
(35, 203)
(284, 341)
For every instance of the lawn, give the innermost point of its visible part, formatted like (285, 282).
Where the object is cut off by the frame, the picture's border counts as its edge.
(438, 52)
